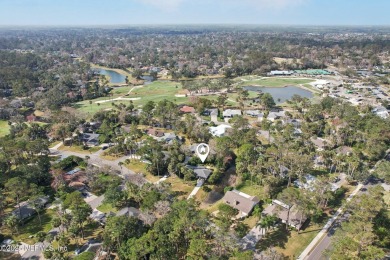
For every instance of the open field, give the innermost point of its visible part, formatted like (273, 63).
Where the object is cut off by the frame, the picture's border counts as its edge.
(271, 82)
(4, 128)
(160, 90)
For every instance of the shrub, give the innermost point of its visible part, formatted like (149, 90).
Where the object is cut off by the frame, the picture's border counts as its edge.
(227, 188)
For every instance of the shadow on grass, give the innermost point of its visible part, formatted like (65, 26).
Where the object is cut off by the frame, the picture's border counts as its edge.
(274, 238)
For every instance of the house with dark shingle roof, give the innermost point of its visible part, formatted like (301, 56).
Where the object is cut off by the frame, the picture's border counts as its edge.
(243, 202)
(286, 213)
(200, 171)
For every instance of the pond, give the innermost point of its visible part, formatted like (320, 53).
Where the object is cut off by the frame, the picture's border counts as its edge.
(281, 95)
(115, 77)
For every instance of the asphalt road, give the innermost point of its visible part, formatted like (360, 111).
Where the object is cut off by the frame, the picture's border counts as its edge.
(318, 252)
(96, 160)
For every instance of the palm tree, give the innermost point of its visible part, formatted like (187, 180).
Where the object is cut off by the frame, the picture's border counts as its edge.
(267, 222)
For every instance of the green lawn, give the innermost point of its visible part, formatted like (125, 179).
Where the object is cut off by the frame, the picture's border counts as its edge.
(160, 90)
(140, 167)
(156, 91)
(4, 128)
(79, 149)
(182, 188)
(272, 82)
(251, 189)
(291, 245)
(106, 208)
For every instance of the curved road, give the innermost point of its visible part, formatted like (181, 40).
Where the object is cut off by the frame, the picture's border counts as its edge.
(96, 160)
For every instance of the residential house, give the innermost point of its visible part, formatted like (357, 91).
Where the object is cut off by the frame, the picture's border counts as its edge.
(90, 139)
(24, 210)
(381, 112)
(169, 138)
(308, 182)
(320, 143)
(272, 116)
(243, 202)
(155, 133)
(219, 130)
(128, 211)
(286, 213)
(253, 113)
(213, 113)
(200, 171)
(230, 113)
(187, 109)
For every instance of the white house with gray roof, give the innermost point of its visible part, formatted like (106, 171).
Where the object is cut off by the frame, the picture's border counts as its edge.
(229, 113)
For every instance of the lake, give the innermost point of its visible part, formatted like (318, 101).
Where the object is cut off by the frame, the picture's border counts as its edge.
(281, 95)
(115, 77)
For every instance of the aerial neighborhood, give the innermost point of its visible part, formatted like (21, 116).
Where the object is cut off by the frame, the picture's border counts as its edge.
(198, 143)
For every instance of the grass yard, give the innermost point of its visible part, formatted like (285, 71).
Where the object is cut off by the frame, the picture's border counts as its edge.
(178, 185)
(140, 167)
(79, 149)
(290, 245)
(106, 208)
(4, 128)
(296, 243)
(251, 221)
(251, 189)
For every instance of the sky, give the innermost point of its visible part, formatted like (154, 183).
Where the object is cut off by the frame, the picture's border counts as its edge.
(135, 12)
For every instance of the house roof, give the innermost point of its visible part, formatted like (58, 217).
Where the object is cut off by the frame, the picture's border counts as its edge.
(90, 138)
(187, 109)
(231, 112)
(155, 132)
(319, 142)
(211, 111)
(26, 210)
(241, 201)
(200, 172)
(279, 209)
(219, 130)
(253, 112)
(130, 211)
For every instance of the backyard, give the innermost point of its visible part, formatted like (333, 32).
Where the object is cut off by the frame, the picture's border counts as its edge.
(4, 128)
